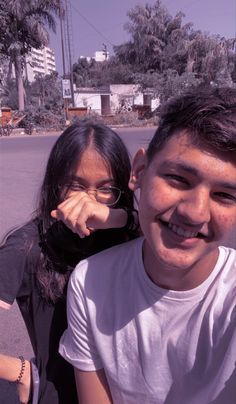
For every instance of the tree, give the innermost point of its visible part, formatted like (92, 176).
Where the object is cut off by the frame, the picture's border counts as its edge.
(156, 38)
(212, 58)
(82, 72)
(118, 73)
(162, 53)
(97, 74)
(23, 26)
(46, 91)
(162, 49)
(168, 83)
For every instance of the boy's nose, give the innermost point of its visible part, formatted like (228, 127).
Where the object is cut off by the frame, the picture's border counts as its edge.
(195, 206)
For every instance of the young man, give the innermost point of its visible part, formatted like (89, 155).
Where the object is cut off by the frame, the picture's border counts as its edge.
(154, 320)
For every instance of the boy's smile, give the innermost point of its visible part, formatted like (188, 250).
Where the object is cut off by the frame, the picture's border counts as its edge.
(187, 209)
(183, 233)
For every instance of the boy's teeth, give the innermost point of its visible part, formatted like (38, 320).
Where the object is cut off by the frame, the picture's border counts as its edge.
(181, 232)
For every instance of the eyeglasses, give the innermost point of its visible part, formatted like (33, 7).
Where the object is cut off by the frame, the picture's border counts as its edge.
(107, 195)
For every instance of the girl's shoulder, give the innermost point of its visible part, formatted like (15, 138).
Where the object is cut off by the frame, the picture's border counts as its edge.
(22, 236)
(19, 256)
(28, 229)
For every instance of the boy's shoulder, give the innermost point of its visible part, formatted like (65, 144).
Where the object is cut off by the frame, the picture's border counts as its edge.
(227, 258)
(119, 250)
(113, 259)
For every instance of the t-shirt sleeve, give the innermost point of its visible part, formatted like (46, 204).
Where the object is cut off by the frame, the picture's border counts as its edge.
(77, 344)
(12, 264)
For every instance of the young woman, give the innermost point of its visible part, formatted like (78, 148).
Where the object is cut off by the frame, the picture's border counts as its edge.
(85, 185)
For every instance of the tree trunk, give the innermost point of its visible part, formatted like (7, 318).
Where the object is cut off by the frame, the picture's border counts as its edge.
(19, 82)
(9, 71)
(190, 63)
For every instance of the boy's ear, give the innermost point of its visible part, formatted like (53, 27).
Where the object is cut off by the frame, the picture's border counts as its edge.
(137, 170)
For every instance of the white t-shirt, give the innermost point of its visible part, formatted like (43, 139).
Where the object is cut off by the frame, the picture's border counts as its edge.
(155, 345)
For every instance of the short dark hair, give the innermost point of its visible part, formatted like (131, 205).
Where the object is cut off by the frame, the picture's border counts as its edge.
(208, 116)
(66, 154)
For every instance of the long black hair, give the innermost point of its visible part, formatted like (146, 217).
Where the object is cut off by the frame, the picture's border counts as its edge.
(65, 156)
(54, 268)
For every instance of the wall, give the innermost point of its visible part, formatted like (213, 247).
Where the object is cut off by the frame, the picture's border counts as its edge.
(122, 97)
(90, 100)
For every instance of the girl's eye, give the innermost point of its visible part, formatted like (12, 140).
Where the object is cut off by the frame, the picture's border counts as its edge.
(76, 187)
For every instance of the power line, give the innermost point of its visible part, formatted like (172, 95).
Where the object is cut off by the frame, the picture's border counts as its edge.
(186, 2)
(92, 26)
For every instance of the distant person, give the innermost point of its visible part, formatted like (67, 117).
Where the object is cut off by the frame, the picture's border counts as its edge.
(85, 185)
(154, 320)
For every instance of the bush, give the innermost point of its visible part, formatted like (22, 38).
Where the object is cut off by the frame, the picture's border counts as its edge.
(122, 118)
(42, 119)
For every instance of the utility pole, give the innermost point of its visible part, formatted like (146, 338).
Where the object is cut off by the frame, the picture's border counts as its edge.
(68, 26)
(105, 52)
(62, 29)
(62, 41)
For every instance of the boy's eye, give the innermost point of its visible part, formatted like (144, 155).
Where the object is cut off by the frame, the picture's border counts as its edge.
(225, 197)
(177, 178)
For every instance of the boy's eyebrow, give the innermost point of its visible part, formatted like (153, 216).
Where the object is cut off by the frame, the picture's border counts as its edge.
(180, 165)
(189, 169)
(228, 185)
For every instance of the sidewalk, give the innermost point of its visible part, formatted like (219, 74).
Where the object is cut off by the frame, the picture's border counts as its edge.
(20, 132)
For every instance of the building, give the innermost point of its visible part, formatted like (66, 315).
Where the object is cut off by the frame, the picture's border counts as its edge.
(99, 56)
(39, 61)
(114, 98)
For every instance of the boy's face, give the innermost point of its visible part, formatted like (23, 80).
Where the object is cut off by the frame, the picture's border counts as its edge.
(187, 208)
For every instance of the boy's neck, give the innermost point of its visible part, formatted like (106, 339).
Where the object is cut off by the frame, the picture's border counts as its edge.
(176, 278)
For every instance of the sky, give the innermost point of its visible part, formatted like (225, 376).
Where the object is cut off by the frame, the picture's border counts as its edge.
(98, 22)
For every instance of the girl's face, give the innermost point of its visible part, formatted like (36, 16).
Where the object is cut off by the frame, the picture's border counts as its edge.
(93, 175)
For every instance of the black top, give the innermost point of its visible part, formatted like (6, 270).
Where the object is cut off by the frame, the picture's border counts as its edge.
(45, 322)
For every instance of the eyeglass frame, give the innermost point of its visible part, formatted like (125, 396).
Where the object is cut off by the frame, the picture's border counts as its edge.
(96, 190)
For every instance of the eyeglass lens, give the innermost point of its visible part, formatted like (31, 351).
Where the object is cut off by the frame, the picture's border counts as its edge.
(106, 195)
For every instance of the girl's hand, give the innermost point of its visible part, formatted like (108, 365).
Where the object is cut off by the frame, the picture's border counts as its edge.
(83, 214)
(11, 369)
(24, 386)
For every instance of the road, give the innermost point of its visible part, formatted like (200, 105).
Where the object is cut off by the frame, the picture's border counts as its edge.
(22, 164)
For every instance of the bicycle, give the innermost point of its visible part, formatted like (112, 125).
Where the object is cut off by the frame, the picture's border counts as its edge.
(29, 128)
(5, 130)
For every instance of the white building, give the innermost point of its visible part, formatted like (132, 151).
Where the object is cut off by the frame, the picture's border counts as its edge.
(39, 61)
(99, 56)
(114, 98)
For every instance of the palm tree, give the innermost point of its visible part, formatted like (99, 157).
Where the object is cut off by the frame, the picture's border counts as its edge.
(23, 25)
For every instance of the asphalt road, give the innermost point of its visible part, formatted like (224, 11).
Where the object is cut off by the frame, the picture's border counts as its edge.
(22, 164)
